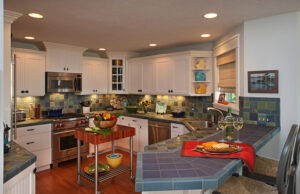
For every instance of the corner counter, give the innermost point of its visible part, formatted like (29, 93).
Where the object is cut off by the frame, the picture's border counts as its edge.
(162, 168)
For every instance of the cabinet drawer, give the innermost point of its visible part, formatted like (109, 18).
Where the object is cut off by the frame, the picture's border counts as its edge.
(136, 121)
(43, 157)
(35, 142)
(31, 130)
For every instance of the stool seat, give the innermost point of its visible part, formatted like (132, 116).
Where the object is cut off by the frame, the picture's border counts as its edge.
(244, 185)
(266, 166)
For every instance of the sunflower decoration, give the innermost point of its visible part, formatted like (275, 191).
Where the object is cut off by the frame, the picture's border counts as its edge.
(145, 104)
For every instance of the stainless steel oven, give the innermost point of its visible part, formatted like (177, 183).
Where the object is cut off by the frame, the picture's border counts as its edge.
(64, 143)
(63, 82)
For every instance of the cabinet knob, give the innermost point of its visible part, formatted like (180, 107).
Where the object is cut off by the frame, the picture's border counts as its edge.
(171, 91)
(67, 68)
(26, 91)
(22, 91)
(28, 143)
(64, 69)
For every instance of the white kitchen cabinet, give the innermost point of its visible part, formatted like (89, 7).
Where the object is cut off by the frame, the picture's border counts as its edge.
(117, 72)
(148, 75)
(94, 75)
(178, 129)
(179, 73)
(135, 78)
(37, 139)
(163, 75)
(22, 183)
(141, 133)
(102, 148)
(63, 58)
(30, 72)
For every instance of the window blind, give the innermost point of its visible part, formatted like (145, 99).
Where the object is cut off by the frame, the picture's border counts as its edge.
(227, 70)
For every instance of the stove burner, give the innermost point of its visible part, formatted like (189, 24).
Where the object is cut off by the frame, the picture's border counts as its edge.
(68, 116)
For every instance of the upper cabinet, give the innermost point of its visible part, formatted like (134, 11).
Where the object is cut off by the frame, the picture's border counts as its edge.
(171, 74)
(117, 72)
(94, 75)
(63, 58)
(30, 72)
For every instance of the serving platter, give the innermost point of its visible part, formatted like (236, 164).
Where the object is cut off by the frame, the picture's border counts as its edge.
(217, 153)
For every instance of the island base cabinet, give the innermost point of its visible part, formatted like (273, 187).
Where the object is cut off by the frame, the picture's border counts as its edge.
(208, 191)
(22, 183)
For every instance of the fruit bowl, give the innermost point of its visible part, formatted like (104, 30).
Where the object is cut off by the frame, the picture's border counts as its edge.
(105, 124)
(114, 160)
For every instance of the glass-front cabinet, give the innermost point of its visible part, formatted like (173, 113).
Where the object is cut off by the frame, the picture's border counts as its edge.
(117, 75)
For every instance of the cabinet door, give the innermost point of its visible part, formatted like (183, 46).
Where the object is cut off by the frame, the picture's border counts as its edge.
(30, 74)
(143, 137)
(135, 71)
(148, 76)
(73, 61)
(180, 76)
(88, 86)
(163, 76)
(100, 75)
(34, 75)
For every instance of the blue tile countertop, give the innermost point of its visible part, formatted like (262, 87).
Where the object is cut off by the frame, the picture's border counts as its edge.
(168, 170)
(16, 160)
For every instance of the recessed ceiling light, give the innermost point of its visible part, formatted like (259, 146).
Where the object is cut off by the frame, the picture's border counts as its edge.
(102, 49)
(29, 37)
(152, 44)
(210, 15)
(205, 35)
(36, 15)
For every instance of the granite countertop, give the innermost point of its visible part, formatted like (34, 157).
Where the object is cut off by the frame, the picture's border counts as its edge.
(161, 166)
(139, 114)
(16, 160)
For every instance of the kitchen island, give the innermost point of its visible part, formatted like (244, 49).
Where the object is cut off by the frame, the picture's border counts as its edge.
(168, 171)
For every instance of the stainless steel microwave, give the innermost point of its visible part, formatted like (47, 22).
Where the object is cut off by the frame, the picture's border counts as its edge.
(63, 82)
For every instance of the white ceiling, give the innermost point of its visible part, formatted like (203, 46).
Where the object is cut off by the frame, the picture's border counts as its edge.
(130, 25)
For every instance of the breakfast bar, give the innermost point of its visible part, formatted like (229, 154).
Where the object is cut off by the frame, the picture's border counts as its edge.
(167, 170)
(117, 132)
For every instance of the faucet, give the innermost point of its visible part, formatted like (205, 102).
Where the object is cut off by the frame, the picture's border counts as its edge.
(216, 110)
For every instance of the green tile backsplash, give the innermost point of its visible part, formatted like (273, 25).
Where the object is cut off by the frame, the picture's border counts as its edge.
(193, 106)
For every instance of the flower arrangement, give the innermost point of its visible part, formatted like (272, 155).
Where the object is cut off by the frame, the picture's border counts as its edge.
(145, 104)
(105, 120)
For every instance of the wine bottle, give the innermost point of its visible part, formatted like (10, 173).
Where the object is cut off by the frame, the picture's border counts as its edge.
(229, 126)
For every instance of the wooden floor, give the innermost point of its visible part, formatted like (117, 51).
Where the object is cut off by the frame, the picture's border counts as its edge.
(63, 179)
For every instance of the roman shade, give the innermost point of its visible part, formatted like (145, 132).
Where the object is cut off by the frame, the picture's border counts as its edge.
(227, 69)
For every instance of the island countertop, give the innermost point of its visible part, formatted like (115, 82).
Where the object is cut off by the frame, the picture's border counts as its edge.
(165, 169)
(16, 160)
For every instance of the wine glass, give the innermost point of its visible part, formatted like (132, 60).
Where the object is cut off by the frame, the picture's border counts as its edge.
(222, 125)
(238, 124)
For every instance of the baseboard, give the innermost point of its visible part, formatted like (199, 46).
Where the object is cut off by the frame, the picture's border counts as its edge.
(42, 168)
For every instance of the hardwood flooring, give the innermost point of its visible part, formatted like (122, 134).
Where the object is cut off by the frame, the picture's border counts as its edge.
(63, 179)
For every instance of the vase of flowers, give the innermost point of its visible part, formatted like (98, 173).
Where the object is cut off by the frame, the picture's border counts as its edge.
(105, 120)
(145, 105)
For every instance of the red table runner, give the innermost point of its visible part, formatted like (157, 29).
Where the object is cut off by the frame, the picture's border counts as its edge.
(247, 154)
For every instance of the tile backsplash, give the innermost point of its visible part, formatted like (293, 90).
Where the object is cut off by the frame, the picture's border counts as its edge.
(260, 111)
(193, 106)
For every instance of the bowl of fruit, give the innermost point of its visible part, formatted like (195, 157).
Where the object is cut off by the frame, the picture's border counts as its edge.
(105, 120)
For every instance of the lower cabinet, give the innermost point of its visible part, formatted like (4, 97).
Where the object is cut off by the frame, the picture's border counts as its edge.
(178, 129)
(22, 183)
(140, 140)
(37, 139)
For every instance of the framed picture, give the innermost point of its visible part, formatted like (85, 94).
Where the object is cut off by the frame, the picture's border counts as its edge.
(263, 81)
(221, 99)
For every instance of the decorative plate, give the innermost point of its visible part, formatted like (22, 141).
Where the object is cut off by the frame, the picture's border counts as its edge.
(218, 153)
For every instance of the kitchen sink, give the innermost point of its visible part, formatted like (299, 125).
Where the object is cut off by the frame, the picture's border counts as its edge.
(201, 125)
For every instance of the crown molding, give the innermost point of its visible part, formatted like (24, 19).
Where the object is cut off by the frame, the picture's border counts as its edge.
(11, 16)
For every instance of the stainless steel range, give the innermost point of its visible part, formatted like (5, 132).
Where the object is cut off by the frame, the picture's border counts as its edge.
(64, 144)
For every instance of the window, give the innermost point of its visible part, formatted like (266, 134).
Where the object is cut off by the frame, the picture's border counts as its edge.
(226, 74)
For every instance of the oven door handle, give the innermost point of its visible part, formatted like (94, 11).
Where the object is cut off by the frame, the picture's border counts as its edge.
(58, 133)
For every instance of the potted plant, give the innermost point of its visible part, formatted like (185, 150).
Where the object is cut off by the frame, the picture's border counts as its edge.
(145, 105)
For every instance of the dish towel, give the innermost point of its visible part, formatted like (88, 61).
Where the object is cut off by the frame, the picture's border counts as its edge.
(247, 154)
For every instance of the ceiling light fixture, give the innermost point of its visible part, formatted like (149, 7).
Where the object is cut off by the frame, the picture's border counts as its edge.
(29, 37)
(205, 35)
(102, 49)
(210, 15)
(36, 15)
(152, 44)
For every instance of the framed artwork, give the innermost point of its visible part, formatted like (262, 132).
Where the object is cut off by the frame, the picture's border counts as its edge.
(221, 99)
(263, 81)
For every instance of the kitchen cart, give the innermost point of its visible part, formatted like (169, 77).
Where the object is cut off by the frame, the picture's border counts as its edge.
(117, 132)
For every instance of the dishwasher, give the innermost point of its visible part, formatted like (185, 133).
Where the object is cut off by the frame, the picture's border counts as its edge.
(158, 131)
